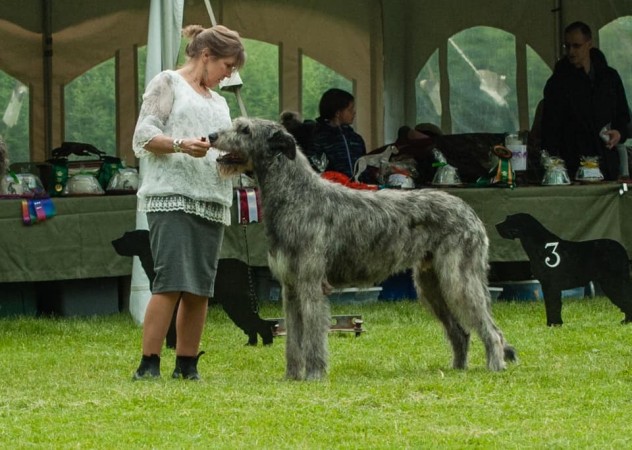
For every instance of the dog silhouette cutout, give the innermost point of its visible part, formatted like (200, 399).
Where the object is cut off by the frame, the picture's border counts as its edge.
(238, 305)
(559, 264)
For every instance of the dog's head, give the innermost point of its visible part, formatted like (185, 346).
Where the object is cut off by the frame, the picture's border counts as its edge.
(133, 243)
(516, 226)
(249, 142)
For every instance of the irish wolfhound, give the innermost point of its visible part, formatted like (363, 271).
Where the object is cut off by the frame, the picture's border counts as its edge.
(323, 234)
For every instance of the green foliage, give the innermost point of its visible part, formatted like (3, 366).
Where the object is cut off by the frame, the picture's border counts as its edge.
(469, 58)
(91, 108)
(16, 138)
(317, 78)
(472, 109)
(427, 97)
(260, 94)
(615, 39)
(260, 77)
(66, 383)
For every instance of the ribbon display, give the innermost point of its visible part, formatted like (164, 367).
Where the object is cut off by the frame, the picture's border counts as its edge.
(248, 205)
(502, 175)
(37, 210)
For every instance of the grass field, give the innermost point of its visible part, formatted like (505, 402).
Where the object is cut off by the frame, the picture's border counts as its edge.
(66, 383)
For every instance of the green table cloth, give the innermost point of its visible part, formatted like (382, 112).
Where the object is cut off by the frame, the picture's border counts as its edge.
(76, 243)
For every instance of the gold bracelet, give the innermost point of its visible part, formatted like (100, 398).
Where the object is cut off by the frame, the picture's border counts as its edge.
(177, 145)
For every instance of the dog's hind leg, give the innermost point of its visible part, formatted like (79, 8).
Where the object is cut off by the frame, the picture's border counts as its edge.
(466, 295)
(479, 318)
(427, 286)
(496, 350)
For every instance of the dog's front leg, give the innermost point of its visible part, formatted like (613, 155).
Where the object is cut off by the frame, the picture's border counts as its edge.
(317, 321)
(294, 355)
(553, 305)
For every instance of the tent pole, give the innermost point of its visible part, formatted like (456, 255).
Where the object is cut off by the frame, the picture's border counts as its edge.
(234, 83)
(209, 8)
(558, 35)
(47, 46)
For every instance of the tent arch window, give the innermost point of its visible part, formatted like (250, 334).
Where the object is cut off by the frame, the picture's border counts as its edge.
(90, 108)
(316, 79)
(483, 66)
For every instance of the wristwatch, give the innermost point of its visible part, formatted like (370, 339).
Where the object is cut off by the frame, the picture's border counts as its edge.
(176, 145)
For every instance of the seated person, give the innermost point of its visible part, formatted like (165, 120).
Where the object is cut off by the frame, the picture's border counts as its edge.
(333, 134)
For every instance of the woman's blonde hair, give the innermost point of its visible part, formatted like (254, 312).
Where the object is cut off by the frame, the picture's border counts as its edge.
(219, 40)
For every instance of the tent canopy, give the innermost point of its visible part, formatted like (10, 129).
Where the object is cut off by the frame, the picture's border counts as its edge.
(379, 44)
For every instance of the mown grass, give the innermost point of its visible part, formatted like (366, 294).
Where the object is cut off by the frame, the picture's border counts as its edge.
(66, 383)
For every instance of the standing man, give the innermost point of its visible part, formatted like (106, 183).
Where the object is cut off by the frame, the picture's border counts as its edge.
(585, 111)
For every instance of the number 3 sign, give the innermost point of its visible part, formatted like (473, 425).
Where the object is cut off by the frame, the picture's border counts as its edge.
(555, 261)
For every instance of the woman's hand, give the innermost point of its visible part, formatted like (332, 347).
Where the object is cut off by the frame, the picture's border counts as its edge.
(196, 148)
(163, 145)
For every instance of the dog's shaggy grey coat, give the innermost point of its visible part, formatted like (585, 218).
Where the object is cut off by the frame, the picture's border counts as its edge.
(323, 234)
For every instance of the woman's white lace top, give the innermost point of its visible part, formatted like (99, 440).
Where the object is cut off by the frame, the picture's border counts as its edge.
(177, 181)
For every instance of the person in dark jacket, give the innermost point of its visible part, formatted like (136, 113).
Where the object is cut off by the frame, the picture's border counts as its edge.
(585, 110)
(333, 134)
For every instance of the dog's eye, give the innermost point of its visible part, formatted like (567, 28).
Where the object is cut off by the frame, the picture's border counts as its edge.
(245, 129)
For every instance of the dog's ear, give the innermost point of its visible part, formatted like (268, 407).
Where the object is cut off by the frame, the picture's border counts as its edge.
(283, 142)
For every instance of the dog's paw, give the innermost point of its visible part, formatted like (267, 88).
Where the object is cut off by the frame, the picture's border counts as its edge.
(252, 339)
(267, 338)
(510, 354)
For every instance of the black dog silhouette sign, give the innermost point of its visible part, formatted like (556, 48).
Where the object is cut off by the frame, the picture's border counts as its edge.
(559, 264)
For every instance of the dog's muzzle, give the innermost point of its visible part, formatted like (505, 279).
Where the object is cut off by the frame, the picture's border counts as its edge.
(226, 157)
(230, 159)
(505, 230)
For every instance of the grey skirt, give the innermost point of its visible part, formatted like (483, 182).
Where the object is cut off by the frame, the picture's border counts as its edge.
(186, 251)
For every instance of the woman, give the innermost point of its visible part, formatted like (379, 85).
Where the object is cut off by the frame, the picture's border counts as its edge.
(334, 135)
(187, 204)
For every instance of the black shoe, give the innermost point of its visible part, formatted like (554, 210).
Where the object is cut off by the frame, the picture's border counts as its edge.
(186, 367)
(149, 367)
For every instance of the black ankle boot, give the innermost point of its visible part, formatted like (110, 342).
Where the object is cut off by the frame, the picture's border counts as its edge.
(186, 366)
(149, 367)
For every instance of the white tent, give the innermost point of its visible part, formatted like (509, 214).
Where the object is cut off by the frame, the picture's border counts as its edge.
(379, 44)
